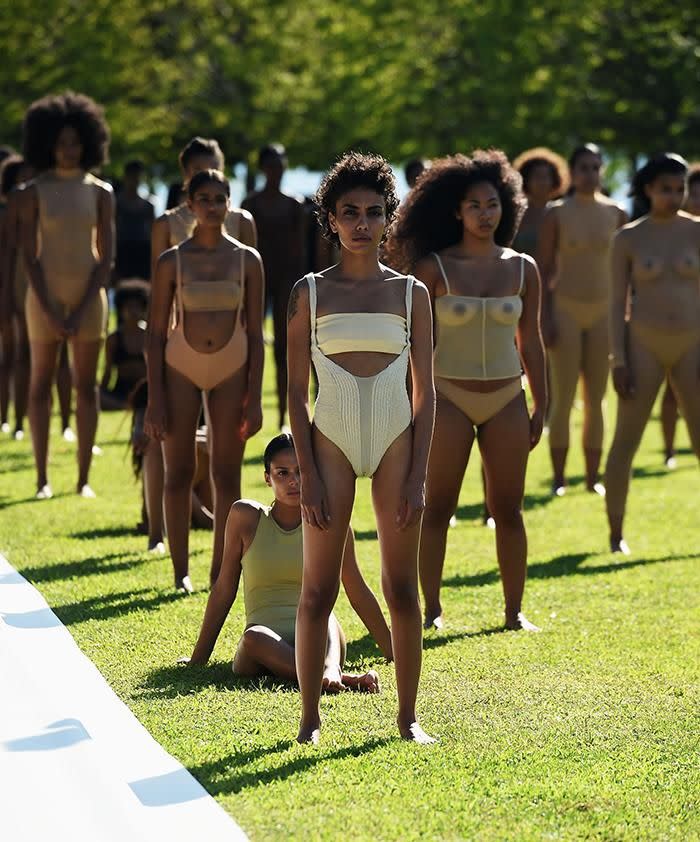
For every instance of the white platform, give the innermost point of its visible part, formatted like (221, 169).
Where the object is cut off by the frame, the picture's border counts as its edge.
(75, 763)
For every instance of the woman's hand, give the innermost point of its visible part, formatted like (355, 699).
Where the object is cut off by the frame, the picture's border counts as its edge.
(536, 425)
(412, 503)
(623, 381)
(314, 502)
(155, 423)
(550, 334)
(252, 419)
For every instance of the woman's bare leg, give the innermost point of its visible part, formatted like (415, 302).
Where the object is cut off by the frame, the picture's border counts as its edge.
(399, 551)
(669, 422)
(363, 601)
(85, 356)
(224, 406)
(153, 477)
(43, 365)
(64, 386)
(7, 359)
(323, 557)
(505, 446)
(452, 443)
(594, 376)
(21, 384)
(184, 403)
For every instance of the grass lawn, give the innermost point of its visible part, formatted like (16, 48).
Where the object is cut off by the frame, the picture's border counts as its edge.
(589, 730)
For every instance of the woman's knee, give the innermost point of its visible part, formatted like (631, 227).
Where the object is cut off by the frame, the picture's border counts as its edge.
(507, 512)
(179, 477)
(401, 594)
(317, 601)
(86, 392)
(438, 511)
(225, 478)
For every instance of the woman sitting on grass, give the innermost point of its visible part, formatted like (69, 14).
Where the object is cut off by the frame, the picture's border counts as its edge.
(124, 348)
(264, 543)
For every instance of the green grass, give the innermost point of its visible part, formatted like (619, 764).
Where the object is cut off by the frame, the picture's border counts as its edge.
(587, 731)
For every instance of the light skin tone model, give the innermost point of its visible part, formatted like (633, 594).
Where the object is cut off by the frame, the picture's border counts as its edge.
(573, 232)
(359, 283)
(658, 256)
(262, 650)
(478, 267)
(233, 406)
(68, 156)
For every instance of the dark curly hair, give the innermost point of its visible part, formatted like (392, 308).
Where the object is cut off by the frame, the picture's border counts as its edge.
(207, 177)
(45, 119)
(201, 146)
(527, 161)
(354, 170)
(10, 171)
(667, 163)
(427, 219)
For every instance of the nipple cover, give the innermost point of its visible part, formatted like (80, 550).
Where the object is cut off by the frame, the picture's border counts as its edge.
(459, 308)
(507, 307)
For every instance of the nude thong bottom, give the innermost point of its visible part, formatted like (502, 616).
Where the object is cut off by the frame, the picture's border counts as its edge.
(479, 407)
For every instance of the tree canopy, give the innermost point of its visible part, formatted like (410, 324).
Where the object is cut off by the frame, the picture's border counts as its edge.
(411, 78)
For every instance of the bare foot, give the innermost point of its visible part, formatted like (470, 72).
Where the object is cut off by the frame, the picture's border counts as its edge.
(597, 488)
(333, 680)
(521, 623)
(367, 683)
(415, 734)
(44, 493)
(619, 545)
(184, 585)
(436, 622)
(309, 733)
(86, 491)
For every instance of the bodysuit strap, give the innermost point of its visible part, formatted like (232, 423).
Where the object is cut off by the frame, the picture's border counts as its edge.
(311, 281)
(442, 271)
(241, 301)
(409, 305)
(522, 274)
(178, 288)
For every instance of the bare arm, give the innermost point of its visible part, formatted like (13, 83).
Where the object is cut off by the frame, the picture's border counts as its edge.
(223, 593)
(160, 241)
(255, 306)
(99, 277)
(9, 239)
(249, 233)
(314, 502)
(531, 347)
(162, 293)
(363, 600)
(547, 247)
(423, 404)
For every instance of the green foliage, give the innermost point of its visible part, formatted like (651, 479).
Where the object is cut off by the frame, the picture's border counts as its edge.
(407, 78)
(586, 731)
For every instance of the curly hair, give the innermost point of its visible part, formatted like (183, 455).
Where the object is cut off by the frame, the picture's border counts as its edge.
(526, 162)
(354, 170)
(10, 171)
(45, 119)
(667, 163)
(427, 220)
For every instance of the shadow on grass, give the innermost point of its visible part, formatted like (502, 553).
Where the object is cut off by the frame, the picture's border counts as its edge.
(433, 641)
(106, 563)
(12, 462)
(224, 776)
(169, 682)
(563, 565)
(253, 460)
(7, 502)
(113, 605)
(364, 648)
(105, 532)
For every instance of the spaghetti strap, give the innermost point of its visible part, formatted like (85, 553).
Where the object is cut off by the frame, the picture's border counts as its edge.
(522, 274)
(311, 282)
(442, 271)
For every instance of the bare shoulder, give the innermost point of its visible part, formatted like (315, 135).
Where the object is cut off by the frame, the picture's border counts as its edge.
(243, 213)
(298, 298)
(427, 268)
(243, 518)
(167, 259)
(104, 188)
(553, 209)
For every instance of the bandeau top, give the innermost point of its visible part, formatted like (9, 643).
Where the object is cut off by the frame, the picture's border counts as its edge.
(339, 333)
(209, 296)
(476, 336)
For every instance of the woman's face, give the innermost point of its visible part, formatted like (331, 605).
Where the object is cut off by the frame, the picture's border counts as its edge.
(359, 220)
(285, 478)
(540, 182)
(585, 175)
(666, 193)
(68, 151)
(480, 211)
(209, 204)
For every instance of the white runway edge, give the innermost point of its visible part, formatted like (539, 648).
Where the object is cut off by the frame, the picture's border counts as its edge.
(75, 763)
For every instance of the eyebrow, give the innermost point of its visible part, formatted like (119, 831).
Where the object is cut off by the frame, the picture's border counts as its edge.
(356, 207)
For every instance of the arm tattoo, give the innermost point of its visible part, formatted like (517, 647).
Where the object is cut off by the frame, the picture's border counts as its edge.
(293, 303)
